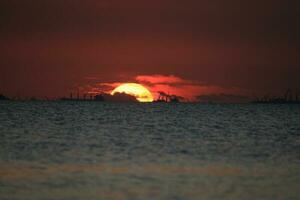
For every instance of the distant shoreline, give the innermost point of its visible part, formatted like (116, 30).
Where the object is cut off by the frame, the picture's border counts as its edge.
(154, 102)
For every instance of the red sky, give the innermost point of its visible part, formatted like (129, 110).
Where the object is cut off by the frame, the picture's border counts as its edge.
(50, 47)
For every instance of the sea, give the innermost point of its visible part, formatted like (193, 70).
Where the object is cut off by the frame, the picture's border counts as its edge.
(60, 150)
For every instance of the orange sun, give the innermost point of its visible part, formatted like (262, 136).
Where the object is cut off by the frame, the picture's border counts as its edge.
(141, 93)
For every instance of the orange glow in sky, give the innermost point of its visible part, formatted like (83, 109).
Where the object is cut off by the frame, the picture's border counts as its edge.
(141, 93)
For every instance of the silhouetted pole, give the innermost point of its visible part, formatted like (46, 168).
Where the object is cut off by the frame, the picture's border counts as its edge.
(287, 96)
(297, 95)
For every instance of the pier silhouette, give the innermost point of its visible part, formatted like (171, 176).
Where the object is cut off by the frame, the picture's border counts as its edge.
(117, 97)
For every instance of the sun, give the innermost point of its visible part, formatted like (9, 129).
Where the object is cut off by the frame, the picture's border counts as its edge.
(141, 93)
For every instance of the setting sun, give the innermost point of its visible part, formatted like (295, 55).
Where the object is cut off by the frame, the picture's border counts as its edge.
(141, 93)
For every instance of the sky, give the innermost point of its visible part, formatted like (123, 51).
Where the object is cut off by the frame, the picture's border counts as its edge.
(49, 48)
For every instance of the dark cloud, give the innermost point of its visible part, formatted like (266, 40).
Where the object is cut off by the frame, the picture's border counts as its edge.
(49, 46)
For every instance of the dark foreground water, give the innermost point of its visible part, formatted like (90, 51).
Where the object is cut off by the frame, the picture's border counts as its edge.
(94, 150)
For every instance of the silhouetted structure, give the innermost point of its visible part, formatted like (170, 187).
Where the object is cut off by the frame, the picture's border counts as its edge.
(78, 98)
(117, 97)
(98, 97)
(84, 98)
(164, 97)
(121, 97)
(289, 97)
(222, 98)
(34, 99)
(2, 97)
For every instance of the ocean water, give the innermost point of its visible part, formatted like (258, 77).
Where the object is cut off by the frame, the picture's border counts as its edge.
(95, 150)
